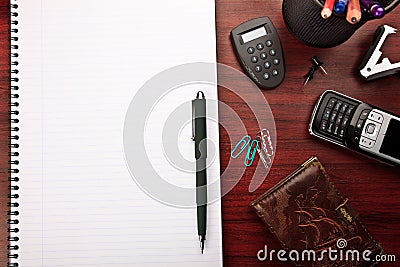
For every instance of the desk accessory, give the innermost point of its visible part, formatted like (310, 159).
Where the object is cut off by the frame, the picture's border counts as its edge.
(310, 75)
(265, 147)
(251, 153)
(357, 126)
(305, 211)
(252, 149)
(375, 8)
(303, 19)
(258, 48)
(262, 146)
(317, 64)
(369, 68)
(199, 121)
(74, 200)
(240, 146)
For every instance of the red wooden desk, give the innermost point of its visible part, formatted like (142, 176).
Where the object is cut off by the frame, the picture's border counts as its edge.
(371, 186)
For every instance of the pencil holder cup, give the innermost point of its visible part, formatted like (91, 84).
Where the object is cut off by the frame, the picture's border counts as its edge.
(303, 19)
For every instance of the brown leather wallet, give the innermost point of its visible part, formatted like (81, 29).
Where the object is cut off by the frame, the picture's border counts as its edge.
(306, 212)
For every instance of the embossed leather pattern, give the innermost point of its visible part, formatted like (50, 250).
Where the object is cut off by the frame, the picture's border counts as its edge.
(306, 212)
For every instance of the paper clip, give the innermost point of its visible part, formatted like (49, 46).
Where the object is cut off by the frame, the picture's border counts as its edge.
(266, 149)
(243, 142)
(251, 153)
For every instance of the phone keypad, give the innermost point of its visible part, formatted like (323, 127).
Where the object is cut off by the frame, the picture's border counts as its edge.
(369, 132)
(336, 117)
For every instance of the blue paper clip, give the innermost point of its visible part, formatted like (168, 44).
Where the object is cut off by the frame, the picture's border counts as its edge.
(243, 142)
(251, 153)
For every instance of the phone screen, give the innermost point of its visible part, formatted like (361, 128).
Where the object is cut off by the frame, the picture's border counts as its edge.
(391, 142)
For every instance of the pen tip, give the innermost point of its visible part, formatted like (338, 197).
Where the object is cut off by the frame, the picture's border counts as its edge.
(202, 239)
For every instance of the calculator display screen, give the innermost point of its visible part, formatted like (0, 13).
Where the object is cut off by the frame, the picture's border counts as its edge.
(391, 142)
(254, 34)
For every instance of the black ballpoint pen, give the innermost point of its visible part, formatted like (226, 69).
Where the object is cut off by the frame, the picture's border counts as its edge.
(199, 137)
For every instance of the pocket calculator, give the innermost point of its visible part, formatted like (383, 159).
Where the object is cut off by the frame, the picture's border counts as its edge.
(358, 126)
(258, 47)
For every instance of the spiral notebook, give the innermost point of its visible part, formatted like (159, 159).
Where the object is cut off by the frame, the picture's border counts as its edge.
(78, 68)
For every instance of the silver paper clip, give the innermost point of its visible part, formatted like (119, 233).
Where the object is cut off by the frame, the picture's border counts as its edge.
(266, 149)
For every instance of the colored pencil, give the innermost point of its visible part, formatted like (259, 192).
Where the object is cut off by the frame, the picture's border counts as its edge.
(327, 9)
(353, 11)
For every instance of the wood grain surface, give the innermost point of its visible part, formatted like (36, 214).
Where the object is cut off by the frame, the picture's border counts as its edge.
(372, 187)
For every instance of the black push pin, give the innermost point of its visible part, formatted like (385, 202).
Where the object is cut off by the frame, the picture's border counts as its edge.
(319, 64)
(310, 75)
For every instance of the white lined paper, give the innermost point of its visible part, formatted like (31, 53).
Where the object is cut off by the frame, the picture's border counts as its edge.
(81, 63)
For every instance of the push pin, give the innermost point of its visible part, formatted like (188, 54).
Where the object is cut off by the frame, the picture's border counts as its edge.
(319, 64)
(310, 75)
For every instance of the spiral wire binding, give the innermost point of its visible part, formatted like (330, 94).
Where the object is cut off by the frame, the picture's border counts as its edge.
(14, 151)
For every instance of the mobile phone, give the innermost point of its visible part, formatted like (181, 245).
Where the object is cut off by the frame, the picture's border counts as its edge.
(358, 126)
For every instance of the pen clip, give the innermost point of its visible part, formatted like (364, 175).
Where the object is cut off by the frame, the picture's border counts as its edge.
(198, 95)
(193, 112)
(193, 105)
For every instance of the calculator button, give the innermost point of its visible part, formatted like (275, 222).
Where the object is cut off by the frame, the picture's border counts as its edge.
(250, 50)
(268, 43)
(263, 55)
(260, 46)
(266, 76)
(331, 102)
(272, 52)
(267, 64)
(276, 61)
(258, 68)
(323, 126)
(375, 116)
(275, 72)
(364, 114)
(327, 114)
(254, 59)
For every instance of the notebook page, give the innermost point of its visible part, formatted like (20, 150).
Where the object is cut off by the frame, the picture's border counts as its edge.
(81, 64)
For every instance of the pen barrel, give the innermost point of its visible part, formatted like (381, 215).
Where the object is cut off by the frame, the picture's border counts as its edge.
(202, 220)
(200, 128)
(200, 149)
(201, 182)
(201, 196)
